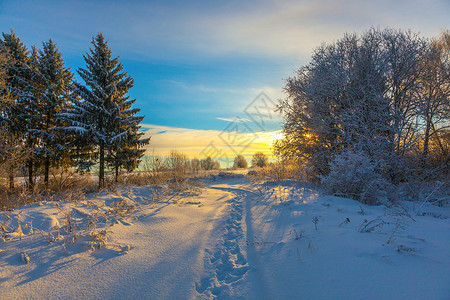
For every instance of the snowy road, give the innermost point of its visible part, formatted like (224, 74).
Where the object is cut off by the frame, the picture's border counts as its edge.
(165, 260)
(241, 241)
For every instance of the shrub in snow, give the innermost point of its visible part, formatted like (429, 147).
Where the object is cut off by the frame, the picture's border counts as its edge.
(259, 159)
(354, 175)
(433, 192)
(240, 162)
(25, 258)
(315, 220)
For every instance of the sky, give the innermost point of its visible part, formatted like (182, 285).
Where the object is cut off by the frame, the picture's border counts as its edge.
(208, 74)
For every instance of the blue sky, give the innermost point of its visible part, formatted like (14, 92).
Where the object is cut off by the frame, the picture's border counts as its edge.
(199, 64)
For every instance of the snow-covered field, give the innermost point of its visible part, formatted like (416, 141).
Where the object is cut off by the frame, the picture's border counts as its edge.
(231, 239)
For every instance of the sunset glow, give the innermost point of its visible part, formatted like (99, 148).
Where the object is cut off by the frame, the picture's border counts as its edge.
(196, 143)
(277, 136)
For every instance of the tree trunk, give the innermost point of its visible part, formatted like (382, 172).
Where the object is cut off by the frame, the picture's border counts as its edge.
(30, 174)
(426, 140)
(11, 177)
(117, 174)
(101, 173)
(438, 139)
(46, 171)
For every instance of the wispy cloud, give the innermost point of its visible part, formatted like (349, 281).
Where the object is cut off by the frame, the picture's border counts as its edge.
(237, 119)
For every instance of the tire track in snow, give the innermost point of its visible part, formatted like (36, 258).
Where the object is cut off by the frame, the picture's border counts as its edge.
(227, 261)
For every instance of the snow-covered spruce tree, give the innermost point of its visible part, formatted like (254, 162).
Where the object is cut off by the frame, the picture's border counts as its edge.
(4, 66)
(5, 104)
(53, 84)
(102, 115)
(18, 114)
(128, 150)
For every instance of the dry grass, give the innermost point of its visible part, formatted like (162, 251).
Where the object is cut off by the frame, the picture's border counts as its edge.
(65, 184)
(19, 197)
(278, 171)
(73, 188)
(140, 178)
(68, 179)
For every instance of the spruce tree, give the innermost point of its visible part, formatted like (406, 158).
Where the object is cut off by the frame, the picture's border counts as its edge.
(102, 116)
(127, 150)
(53, 85)
(5, 104)
(15, 117)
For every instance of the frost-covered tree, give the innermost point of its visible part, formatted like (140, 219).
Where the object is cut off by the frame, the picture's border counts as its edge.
(53, 85)
(403, 51)
(209, 164)
(359, 95)
(102, 116)
(355, 175)
(434, 98)
(259, 159)
(240, 162)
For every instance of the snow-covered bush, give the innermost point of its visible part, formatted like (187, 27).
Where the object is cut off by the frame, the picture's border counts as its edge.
(433, 192)
(354, 175)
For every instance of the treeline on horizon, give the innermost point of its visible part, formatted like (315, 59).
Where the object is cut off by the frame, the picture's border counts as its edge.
(49, 120)
(177, 160)
(370, 111)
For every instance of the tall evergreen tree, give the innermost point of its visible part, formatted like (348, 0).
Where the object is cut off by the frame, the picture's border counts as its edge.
(53, 84)
(14, 115)
(5, 104)
(126, 153)
(103, 116)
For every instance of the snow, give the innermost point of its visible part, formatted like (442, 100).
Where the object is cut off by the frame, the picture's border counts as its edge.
(231, 239)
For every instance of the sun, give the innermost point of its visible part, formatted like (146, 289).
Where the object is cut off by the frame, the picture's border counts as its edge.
(277, 136)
